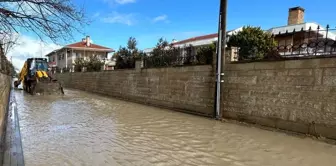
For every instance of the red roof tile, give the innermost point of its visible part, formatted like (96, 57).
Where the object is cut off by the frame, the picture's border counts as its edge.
(83, 45)
(197, 38)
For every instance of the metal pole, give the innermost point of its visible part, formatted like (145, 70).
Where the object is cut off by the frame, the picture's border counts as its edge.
(224, 41)
(221, 44)
(0, 55)
(218, 63)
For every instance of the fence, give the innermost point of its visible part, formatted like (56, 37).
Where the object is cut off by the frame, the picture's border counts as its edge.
(302, 43)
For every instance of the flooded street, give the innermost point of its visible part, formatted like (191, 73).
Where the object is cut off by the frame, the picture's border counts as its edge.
(85, 129)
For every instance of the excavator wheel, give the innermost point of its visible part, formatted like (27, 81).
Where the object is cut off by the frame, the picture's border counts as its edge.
(16, 84)
(32, 87)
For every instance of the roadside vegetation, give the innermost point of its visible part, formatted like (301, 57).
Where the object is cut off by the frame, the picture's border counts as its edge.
(253, 43)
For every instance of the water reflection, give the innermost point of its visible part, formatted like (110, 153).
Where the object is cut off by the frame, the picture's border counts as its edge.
(85, 129)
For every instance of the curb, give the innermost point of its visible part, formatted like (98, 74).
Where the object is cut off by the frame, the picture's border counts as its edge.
(13, 154)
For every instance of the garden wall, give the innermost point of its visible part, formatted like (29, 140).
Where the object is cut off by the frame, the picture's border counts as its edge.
(4, 97)
(190, 88)
(295, 95)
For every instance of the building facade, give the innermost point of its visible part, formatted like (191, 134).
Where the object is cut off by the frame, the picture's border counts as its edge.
(65, 57)
(292, 37)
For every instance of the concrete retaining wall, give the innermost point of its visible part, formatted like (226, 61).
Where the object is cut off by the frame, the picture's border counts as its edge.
(5, 87)
(4, 95)
(190, 89)
(295, 95)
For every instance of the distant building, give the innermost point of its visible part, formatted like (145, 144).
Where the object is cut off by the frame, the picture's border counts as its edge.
(283, 35)
(297, 32)
(66, 56)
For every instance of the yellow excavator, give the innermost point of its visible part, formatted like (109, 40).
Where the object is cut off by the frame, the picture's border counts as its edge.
(35, 78)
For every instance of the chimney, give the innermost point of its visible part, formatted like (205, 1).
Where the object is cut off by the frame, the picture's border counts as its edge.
(88, 41)
(296, 15)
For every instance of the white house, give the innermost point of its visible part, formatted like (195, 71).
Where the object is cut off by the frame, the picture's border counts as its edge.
(66, 56)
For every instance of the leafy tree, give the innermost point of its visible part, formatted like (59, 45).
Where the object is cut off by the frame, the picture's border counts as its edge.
(91, 65)
(253, 43)
(123, 58)
(160, 48)
(164, 54)
(94, 64)
(79, 64)
(162, 43)
(132, 44)
(205, 54)
(126, 56)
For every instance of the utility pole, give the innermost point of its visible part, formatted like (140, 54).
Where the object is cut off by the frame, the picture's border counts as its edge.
(221, 44)
(41, 49)
(1, 55)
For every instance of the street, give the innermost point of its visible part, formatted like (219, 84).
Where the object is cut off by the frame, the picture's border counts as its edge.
(86, 129)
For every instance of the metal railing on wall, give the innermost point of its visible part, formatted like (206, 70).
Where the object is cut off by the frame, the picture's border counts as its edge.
(306, 43)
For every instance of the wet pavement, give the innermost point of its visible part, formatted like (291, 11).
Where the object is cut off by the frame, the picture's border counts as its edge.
(86, 129)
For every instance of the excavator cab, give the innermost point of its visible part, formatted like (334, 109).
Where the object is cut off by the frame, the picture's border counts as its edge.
(35, 78)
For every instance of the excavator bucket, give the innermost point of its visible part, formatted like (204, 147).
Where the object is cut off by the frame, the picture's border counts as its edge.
(48, 88)
(36, 80)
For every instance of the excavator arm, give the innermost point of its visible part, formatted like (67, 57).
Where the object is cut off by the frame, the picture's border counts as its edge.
(21, 75)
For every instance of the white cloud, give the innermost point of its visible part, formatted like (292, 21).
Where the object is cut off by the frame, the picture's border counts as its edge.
(160, 18)
(97, 14)
(125, 1)
(121, 2)
(29, 47)
(120, 18)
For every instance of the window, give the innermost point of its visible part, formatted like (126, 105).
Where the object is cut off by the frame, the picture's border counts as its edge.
(68, 53)
(59, 57)
(62, 56)
(53, 58)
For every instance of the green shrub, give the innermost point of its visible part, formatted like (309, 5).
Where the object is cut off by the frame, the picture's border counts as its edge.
(205, 54)
(253, 43)
(94, 64)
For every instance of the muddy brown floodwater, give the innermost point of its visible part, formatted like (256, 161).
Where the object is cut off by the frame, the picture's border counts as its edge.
(85, 129)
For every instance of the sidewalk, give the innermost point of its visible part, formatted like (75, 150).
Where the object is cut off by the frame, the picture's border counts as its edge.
(13, 155)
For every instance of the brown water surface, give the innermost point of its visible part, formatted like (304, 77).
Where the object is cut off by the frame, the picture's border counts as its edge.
(86, 129)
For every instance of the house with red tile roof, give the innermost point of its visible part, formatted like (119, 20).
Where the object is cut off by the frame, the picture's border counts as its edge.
(66, 56)
(198, 41)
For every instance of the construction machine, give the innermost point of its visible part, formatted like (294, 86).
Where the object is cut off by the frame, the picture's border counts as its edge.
(36, 78)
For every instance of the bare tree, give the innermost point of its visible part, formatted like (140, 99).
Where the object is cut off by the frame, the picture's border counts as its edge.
(54, 19)
(7, 42)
